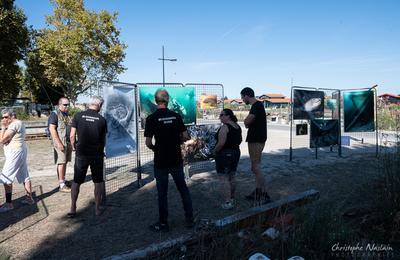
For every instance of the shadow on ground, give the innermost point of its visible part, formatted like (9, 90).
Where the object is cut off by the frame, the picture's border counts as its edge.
(123, 226)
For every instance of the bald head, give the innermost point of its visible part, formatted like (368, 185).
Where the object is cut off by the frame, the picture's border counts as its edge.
(63, 104)
(162, 97)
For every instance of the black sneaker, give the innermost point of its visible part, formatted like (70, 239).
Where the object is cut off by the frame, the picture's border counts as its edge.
(251, 196)
(266, 198)
(189, 223)
(159, 227)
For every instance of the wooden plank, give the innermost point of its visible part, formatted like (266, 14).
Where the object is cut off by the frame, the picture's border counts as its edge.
(237, 221)
(152, 249)
(256, 214)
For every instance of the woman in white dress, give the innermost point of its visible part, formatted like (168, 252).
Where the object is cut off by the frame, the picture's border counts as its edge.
(12, 136)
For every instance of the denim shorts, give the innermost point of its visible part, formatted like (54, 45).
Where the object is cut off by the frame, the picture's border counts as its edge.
(226, 161)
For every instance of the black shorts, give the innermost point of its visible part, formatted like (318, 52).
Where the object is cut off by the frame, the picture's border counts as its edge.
(81, 166)
(227, 160)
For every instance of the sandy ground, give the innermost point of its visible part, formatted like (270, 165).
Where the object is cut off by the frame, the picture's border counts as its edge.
(42, 231)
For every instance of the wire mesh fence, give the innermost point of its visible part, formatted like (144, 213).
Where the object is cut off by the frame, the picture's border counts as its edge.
(210, 102)
(122, 170)
(146, 155)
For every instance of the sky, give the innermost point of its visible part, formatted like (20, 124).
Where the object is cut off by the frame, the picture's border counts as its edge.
(267, 45)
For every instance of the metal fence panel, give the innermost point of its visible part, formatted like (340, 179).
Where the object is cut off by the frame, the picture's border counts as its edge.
(123, 170)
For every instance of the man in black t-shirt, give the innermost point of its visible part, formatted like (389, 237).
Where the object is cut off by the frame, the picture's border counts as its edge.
(256, 122)
(169, 132)
(90, 128)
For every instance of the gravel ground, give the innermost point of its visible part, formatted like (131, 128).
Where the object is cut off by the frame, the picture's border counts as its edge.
(42, 231)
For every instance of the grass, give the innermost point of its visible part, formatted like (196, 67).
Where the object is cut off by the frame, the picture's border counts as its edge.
(365, 210)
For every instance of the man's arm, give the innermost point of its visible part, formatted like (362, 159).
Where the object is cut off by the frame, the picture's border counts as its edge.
(249, 120)
(72, 138)
(149, 143)
(56, 138)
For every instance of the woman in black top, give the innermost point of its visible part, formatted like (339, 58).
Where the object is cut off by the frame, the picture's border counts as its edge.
(227, 154)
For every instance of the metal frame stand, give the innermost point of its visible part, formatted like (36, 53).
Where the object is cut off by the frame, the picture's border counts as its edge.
(291, 119)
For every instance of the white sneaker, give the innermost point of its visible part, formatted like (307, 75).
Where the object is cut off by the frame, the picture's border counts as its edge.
(230, 204)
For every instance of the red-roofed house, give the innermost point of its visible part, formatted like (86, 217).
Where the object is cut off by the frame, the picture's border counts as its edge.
(390, 98)
(234, 102)
(272, 100)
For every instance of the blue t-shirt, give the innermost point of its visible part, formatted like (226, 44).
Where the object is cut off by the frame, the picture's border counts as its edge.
(53, 118)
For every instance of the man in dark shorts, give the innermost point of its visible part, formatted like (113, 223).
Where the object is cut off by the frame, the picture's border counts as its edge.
(91, 129)
(169, 132)
(256, 123)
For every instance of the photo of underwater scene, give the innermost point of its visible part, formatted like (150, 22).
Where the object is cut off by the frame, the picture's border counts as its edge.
(201, 144)
(359, 111)
(308, 104)
(182, 100)
(120, 114)
(324, 133)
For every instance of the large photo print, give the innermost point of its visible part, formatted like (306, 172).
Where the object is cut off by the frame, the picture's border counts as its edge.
(182, 100)
(359, 111)
(308, 104)
(120, 114)
(201, 144)
(324, 133)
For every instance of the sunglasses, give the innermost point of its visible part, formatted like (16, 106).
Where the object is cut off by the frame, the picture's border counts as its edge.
(66, 105)
(5, 117)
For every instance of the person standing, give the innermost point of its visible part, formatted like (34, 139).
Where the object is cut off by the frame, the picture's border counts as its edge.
(91, 129)
(169, 132)
(227, 154)
(59, 127)
(12, 136)
(256, 122)
(39, 110)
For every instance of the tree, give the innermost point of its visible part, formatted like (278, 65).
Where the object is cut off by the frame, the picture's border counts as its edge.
(13, 41)
(35, 82)
(79, 47)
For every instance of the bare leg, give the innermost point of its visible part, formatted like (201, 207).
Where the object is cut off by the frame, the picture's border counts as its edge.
(225, 187)
(98, 197)
(74, 196)
(260, 181)
(61, 170)
(232, 185)
(28, 188)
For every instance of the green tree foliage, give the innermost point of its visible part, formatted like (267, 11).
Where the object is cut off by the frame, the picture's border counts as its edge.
(13, 42)
(79, 47)
(35, 82)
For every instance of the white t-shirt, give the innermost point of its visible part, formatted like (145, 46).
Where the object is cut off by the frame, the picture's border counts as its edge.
(18, 140)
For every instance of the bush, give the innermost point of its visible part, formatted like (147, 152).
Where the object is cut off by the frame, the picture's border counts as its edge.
(21, 113)
(318, 228)
(388, 117)
(73, 110)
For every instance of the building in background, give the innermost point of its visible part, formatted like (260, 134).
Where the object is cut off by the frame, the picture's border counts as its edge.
(389, 98)
(274, 101)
